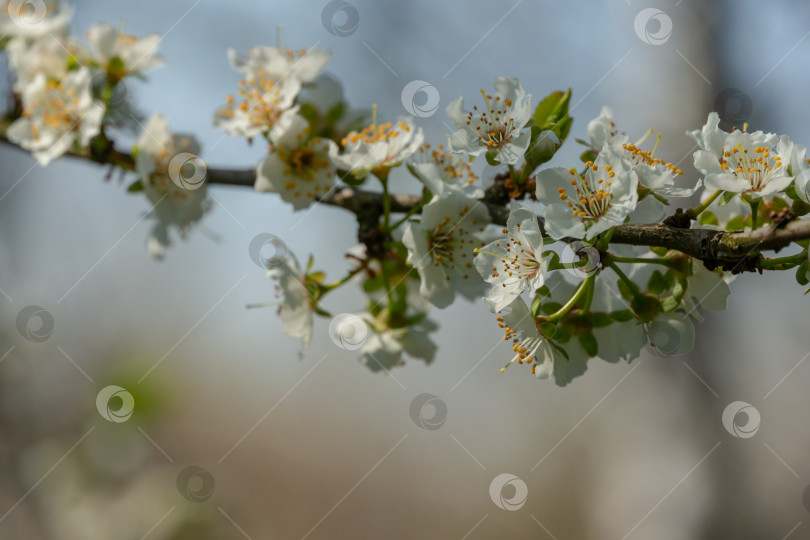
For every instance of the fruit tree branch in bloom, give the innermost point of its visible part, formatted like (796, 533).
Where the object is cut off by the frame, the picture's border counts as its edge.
(717, 248)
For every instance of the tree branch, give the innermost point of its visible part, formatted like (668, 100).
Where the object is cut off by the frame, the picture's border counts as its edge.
(736, 251)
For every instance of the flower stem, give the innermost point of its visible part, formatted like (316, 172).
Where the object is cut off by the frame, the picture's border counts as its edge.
(386, 202)
(581, 291)
(629, 282)
(784, 263)
(696, 211)
(754, 214)
(332, 286)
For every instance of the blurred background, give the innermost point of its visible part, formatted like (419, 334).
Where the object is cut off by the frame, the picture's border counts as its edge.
(234, 437)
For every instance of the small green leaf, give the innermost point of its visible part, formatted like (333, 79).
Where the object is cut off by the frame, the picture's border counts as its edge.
(708, 218)
(657, 283)
(588, 155)
(660, 251)
(589, 343)
(622, 316)
(135, 187)
(490, 155)
(334, 114)
(552, 108)
(800, 208)
(625, 290)
(736, 223)
(725, 198)
(536, 305)
(548, 329)
(543, 291)
(550, 307)
(599, 320)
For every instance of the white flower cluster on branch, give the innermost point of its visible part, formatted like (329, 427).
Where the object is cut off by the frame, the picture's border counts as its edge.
(575, 261)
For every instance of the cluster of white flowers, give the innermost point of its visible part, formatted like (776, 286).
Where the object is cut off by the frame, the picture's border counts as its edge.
(557, 309)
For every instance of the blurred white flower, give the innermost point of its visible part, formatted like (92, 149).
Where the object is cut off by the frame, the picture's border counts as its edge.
(436, 169)
(441, 245)
(275, 63)
(528, 343)
(296, 308)
(122, 54)
(602, 130)
(498, 128)
(514, 262)
(173, 205)
(50, 56)
(57, 115)
(298, 167)
(584, 205)
(755, 164)
(383, 349)
(378, 147)
(22, 19)
(261, 102)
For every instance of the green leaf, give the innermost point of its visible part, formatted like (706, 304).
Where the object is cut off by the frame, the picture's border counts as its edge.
(334, 114)
(589, 343)
(708, 218)
(800, 208)
(490, 155)
(588, 155)
(552, 109)
(543, 291)
(548, 329)
(672, 302)
(725, 198)
(736, 223)
(135, 187)
(536, 305)
(657, 283)
(625, 290)
(599, 320)
(660, 251)
(622, 316)
(550, 307)
(309, 112)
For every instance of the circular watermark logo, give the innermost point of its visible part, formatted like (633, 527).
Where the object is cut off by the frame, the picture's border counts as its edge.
(653, 26)
(428, 102)
(115, 404)
(27, 13)
(670, 336)
(188, 171)
(732, 414)
(35, 323)
(259, 247)
(428, 411)
(348, 331)
(508, 492)
(340, 18)
(195, 484)
(734, 107)
(580, 252)
(806, 498)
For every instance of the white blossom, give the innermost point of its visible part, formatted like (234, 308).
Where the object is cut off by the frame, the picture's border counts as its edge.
(755, 164)
(296, 308)
(20, 19)
(274, 63)
(261, 101)
(582, 205)
(515, 261)
(436, 169)
(173, 205)
(378, 147)
(135, 55)
(441, 245)
(383, 348)
(57, 115)
(298, 166)
(498, 128)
